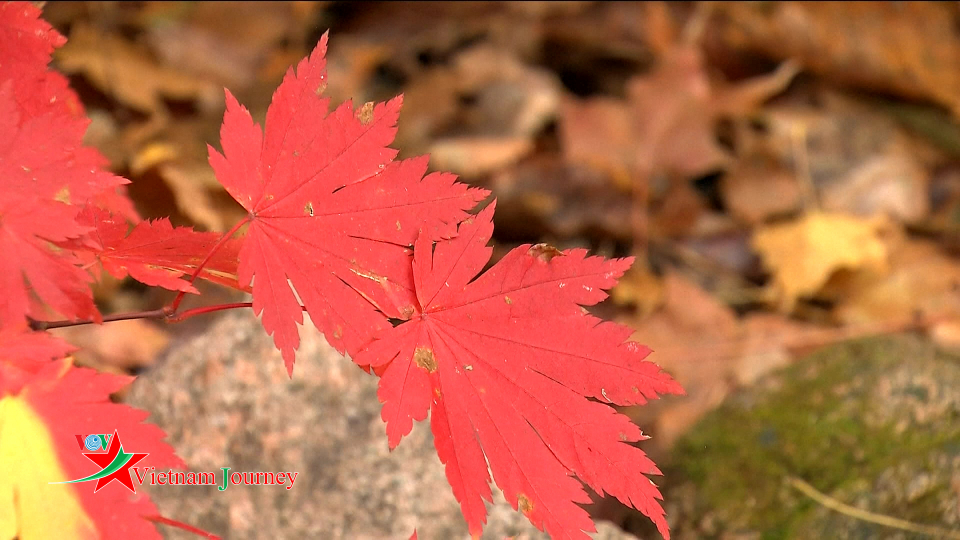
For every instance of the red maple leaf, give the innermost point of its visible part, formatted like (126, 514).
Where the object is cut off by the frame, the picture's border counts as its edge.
(26, 43)
(155, 252)
(43, 156)
(506, 363)
(46, 172)
(331, 214)
(24, 36)
(18, 345)
(23, 353)
(48, 175)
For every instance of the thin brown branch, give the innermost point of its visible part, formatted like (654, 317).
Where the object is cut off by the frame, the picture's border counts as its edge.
(156, 314)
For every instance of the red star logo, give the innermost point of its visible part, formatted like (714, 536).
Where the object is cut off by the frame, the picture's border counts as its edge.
(116, 457)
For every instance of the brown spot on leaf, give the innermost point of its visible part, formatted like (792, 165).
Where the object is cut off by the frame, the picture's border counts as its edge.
(321, 88)
(507, 300)
(544, 252)
(524, 504)
(398, 224)
(423, 357)
(338, 333)
(308, 209)
(468, 367)
(365, 114)
(63, 195)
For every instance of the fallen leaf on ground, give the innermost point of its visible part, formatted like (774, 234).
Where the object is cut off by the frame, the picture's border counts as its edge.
(598, 132)
(430, 106)
(923, 281)
(677, 212)
(804, 253)
(710, 352)
(910, 48)
(667, 122)
(641, 288)
(893, 183)
(352, 65)
(566, 200)
(120, 69)
(854, 156)
(512, 98)
(758, 187)
(471, 157)
(229, 45)
(199, 196)
(688, 332)
(486, 96)
(672, 115)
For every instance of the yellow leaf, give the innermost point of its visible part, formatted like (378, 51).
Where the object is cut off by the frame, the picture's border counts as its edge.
(30, 507)
(803, 254)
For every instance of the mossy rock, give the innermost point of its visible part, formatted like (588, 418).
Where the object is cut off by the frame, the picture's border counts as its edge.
(872, 423)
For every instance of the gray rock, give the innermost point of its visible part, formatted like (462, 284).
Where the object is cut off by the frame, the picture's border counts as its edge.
(225, 400)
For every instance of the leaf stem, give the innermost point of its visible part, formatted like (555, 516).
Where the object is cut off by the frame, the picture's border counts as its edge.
(178, 317)
(167, 314)
(193, 277)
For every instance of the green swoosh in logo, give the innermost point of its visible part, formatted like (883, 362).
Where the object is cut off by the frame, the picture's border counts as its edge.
(114, 466)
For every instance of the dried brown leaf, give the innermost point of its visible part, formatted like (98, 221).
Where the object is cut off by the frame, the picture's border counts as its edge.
(120, 69)
(804, 253)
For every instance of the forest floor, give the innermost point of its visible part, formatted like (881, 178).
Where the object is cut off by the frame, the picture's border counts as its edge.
(786, 174)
